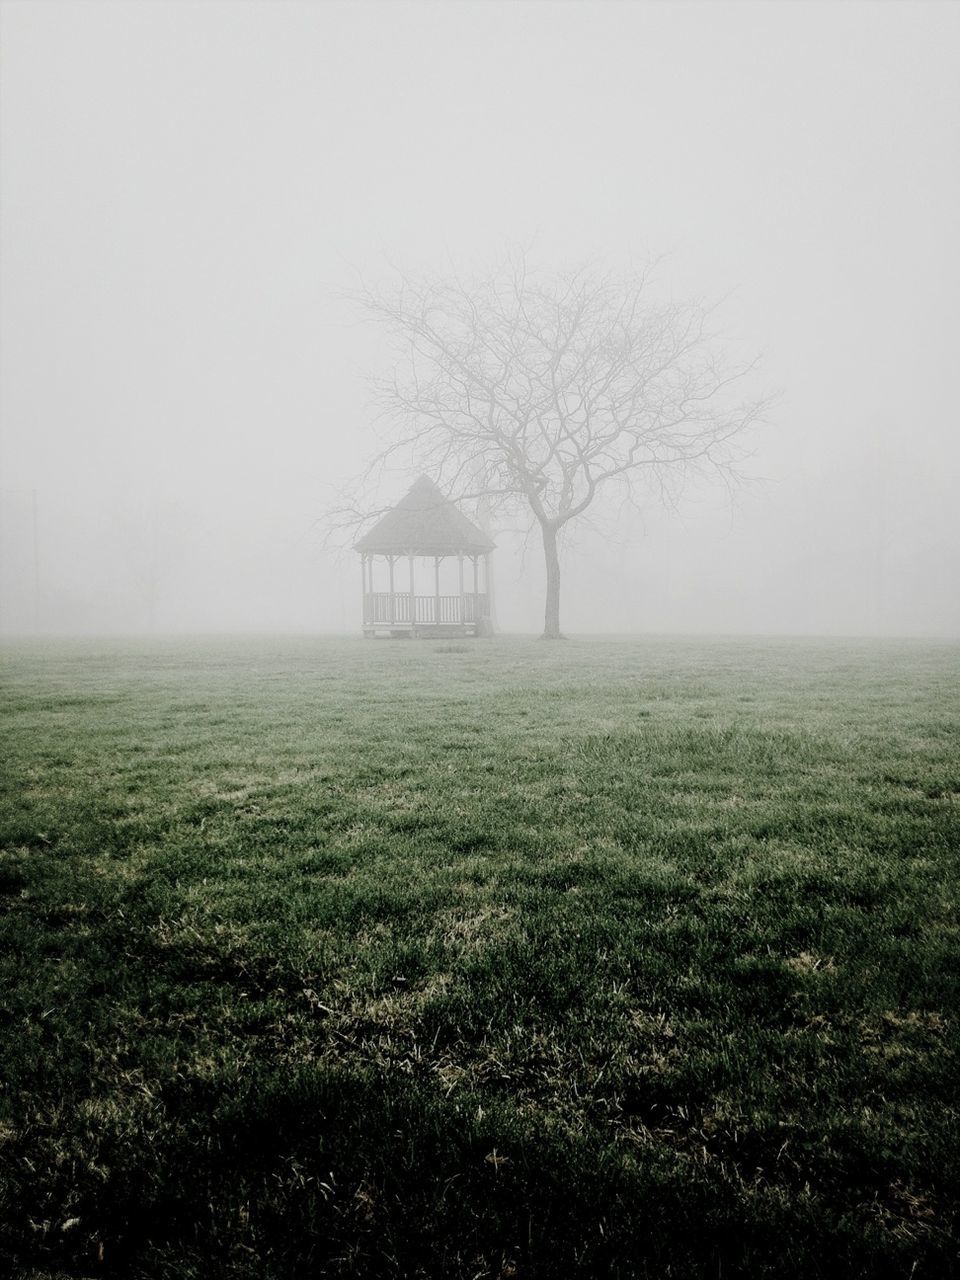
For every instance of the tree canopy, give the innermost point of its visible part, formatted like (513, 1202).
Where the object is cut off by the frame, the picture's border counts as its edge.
(545, 392)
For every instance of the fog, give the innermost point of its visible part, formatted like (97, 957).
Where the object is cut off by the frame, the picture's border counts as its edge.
(188, 189)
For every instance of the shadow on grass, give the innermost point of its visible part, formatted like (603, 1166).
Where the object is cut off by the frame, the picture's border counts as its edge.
(329, 1173)
(326, 1172)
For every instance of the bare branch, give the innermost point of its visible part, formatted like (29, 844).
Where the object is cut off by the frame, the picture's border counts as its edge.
(544, 392)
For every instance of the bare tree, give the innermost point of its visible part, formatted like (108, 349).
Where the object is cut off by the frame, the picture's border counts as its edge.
(546, 393)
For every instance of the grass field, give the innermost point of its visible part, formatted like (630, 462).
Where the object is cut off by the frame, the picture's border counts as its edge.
(480, 959)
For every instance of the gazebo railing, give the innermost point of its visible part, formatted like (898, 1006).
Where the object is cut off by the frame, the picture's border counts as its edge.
(384, 609)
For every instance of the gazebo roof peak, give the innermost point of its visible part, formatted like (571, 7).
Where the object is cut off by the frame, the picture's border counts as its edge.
(424, 523)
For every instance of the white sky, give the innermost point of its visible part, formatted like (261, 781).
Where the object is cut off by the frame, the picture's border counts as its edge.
(185, 187)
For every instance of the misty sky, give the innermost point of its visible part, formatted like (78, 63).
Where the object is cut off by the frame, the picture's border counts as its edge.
(187, 189)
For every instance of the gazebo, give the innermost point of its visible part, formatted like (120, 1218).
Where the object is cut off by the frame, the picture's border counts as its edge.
(402, 595)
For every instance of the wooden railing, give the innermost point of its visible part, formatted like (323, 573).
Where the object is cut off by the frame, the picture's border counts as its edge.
(383, 609)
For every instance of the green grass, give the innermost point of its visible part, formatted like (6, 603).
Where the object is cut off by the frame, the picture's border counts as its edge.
(334, 958)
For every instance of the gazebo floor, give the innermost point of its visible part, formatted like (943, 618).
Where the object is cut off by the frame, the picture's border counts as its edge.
(423, 631)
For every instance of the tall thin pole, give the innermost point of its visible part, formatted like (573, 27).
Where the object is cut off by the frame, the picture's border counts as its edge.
(393, 598)
(413, 597)
(436, 589)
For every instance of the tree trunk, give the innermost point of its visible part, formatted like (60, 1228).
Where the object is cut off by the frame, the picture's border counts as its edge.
(551, 616)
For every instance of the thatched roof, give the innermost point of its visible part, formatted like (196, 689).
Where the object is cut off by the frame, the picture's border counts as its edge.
(424, 523)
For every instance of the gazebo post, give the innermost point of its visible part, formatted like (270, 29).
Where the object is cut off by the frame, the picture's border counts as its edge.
(413, 598)
(476, 587)
(436, 590)
(363, 579)
(460, 609)
(393, 598)
(486, 584)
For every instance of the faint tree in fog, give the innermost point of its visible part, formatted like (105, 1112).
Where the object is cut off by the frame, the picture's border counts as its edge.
(548, 393)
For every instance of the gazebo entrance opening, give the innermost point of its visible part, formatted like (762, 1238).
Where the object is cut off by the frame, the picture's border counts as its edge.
(425, 569)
